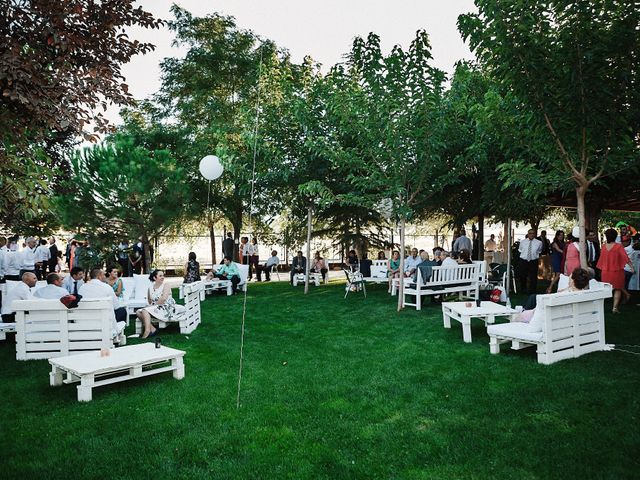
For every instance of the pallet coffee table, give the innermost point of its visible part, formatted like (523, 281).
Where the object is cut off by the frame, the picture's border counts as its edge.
(123, 363)
(487, 311)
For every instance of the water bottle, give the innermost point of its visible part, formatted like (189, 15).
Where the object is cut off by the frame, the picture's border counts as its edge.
(508, 302)
(158, 342)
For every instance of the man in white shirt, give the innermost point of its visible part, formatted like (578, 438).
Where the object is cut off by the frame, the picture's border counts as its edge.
(43, 254)
(411, 263)
(96, 287)
(489, 248)
(28, 257)
(22, 291)
(53, 290)
(74, 280)
(462, 242)
(3, 253)
(530, 248)
(271, 261)
(12, 266)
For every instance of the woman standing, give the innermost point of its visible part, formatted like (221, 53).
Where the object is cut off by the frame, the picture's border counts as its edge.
(393, 267)
(557, 249)
(114, 281)
(612, 260)
(572, 256)
(254, 260)
(191, 269)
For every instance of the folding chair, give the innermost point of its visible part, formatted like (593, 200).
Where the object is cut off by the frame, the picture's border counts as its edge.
(274, 269)
(356, 282)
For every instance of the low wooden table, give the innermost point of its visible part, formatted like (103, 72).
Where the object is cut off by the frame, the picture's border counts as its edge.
(124, 363)
(487, 312)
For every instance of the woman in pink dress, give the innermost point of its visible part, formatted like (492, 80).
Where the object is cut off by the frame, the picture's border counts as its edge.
(611, 264)
(572, 256)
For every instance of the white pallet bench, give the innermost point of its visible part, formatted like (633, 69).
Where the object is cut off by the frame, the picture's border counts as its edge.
(314, 278)
(217, 284)
(187, 319)
(487, 312)
(124, 363)
(6, 328)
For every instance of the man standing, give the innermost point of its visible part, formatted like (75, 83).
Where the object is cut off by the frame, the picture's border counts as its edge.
(228, 271)
(489, 248)
(462, 242)
(227, 246)
(22, 291)
(123, 257)
(530, 248)
(74, 280)
(43, 255)
(593, 252)
(28, 257)
(53, 290)
(136, 258)
(53, 255)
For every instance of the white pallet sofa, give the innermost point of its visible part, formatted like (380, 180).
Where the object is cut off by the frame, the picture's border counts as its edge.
(135, 292)
(189, 319)
(217, 284)
(47, 329)
(314, 278)
(565, 325)
(378, 274)
(464, 280)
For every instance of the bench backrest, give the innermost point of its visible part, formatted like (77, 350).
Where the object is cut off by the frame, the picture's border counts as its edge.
(47, 329)
(244, 272)
(379, 271)
(451, 275)
(379, 263)
(573, 323)
(192, 296)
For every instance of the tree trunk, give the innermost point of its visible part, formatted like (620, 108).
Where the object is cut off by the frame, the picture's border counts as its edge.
(507, 239)
(212, 239)
(306, 273)
(581, 191)
(237, 227)
(480, 237)
(593, 210)
(401, 286)
(147, 253)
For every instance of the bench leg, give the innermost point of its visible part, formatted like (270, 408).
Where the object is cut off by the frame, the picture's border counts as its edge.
(494, 345)
(446, 319)
(84, 389)
(466, 329)
(3, 336)
(178, 364)
(138, 326)
(55, 377)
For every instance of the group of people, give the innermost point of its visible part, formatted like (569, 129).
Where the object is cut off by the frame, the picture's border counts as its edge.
(610, 262)
(37, 256)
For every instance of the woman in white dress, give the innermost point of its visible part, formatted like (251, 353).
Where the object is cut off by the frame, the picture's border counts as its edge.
(158, 294)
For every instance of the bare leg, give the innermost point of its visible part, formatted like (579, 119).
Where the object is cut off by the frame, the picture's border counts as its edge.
(616, 300)
(145, 317)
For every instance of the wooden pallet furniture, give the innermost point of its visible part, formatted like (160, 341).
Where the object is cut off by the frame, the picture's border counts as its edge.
(464, 280)
(46, 328)
(122, 364)
(463, 312)
(564, 325)
(217, 284)
(187, 317)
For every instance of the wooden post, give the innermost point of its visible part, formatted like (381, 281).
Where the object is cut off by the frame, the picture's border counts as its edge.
(507, 287)
(306, 273)
(401, 286)
(481, 237)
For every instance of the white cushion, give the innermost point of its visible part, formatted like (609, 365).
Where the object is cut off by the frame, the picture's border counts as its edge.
(516, 330)
(536, 322)
(142, 284)
(129, 286)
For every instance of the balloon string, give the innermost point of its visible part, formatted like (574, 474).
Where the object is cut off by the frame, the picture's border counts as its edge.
(253, 181)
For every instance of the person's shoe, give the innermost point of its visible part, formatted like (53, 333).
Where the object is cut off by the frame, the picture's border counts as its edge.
(154, 333)
(615, 310)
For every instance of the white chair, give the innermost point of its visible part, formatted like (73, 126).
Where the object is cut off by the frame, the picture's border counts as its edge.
(274, 269)
(47, 329)
(565, 325)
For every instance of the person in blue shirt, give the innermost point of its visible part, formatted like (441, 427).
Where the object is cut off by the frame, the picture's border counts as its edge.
(228, 271)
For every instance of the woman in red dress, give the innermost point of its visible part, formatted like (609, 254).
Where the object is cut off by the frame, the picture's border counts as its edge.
(612, 260)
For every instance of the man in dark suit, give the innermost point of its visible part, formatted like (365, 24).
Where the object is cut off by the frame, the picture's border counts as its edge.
(53, 259)
(593, 252)
(299, 265)
(227, 246)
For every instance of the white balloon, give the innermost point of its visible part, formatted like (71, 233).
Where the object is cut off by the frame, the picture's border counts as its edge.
(210, 167)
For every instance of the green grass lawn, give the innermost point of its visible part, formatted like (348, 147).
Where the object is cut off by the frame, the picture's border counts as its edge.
(333, 388)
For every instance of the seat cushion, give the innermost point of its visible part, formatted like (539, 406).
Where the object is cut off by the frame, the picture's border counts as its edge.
(141, 289)
(517, 330)
(128, 285)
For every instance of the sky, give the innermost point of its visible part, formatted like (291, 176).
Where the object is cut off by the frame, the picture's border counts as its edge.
(322, 29)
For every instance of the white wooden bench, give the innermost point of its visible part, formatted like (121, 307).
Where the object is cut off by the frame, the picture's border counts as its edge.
(464, 280)
(135, 292)
(217, 284)
(314, 278)
(189, 318)
(6, 328)
(378, 274)
(564, 325)
(46, 328)
(122, 364)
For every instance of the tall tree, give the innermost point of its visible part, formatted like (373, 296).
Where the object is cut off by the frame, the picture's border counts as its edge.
(60, 62)
(120, 189)
(575, 67)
